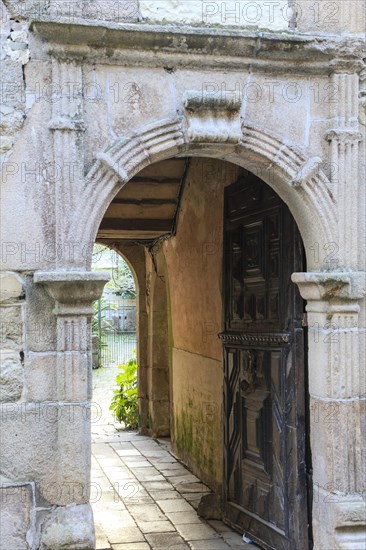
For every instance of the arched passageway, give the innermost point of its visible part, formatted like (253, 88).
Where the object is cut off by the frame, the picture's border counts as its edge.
(332, 295)
(188, 281)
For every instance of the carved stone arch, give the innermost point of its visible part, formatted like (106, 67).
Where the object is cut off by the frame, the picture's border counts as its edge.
(296, 176)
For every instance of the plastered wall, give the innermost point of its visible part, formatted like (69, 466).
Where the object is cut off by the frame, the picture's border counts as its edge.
(194, 266)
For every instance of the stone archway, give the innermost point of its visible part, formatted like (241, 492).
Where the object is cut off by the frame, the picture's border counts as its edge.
(213, 129)
(298, 179)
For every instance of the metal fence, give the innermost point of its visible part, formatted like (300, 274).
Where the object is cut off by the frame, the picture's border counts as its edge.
(117, 349)
(116, 328)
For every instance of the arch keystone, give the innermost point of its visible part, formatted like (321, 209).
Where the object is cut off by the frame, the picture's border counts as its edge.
(212, 119)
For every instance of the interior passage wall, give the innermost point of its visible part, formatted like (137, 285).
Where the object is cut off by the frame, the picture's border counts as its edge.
(194, 265)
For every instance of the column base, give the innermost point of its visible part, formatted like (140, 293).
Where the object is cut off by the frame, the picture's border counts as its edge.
(339, 521)
(68, 527)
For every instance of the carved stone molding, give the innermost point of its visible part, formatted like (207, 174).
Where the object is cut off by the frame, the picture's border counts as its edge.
(303, 172)
(344, 138)
(308, 170)
(117, 165)
(335, 376)
(362, 96)
(67, 126)
(307, 187)
(344, 135)
(186, 46)
(212, 119)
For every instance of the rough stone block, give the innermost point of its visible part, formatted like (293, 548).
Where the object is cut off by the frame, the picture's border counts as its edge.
(17, 516)
(11, 377)
(159, 418)
(335, 375)
(41, 329)
(339, 520)
(229, 13)
(11, 327)
(57, 453)
(337, 454)
(40, 377)
(11, 286)
(159, 383)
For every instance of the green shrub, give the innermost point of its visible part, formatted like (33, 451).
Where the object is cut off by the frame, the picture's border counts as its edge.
(124, 402)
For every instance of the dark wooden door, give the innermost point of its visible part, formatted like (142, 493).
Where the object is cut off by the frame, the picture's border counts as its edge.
(265, 427)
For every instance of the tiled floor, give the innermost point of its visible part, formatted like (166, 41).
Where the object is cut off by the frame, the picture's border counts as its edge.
(142, 496)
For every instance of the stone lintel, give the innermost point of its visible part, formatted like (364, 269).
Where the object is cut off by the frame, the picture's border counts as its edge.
(331, 286)
(185, 44)
(73, 291)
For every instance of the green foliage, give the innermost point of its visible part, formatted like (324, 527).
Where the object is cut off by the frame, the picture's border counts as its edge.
(123, 280)
(100, 323)
(124, 402)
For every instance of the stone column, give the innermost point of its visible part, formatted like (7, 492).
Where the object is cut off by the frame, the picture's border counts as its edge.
(73, 293)
(337, 397)
(68, 127)
(344, 138)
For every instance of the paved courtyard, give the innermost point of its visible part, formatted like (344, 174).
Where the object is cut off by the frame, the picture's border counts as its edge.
(142, 496)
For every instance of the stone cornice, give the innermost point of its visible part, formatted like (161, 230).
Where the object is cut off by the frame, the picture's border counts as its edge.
(177, 46)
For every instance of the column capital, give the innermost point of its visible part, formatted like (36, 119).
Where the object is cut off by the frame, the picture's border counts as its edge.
(344, 135)
(332, 286)
(73, 291)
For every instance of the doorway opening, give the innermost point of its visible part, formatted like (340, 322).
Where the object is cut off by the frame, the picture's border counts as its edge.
(115, 319)
(114, 341)
(172, 212)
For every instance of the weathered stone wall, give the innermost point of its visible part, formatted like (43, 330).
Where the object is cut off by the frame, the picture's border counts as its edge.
(261, 14)
(13, 59)
(76, 100)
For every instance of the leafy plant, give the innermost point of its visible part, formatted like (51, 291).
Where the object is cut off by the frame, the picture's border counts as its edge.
(125, 402)
(123, 280)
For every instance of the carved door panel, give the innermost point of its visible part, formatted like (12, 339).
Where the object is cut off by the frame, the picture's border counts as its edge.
(265, 432)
